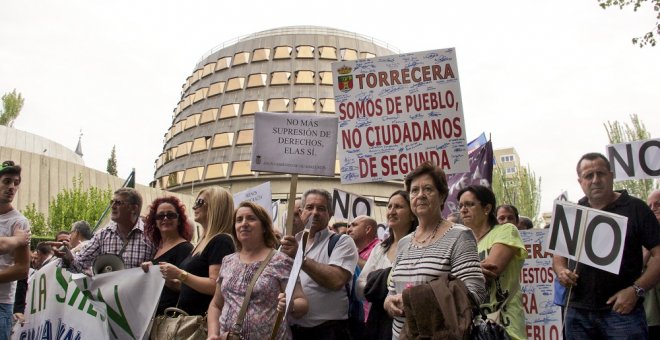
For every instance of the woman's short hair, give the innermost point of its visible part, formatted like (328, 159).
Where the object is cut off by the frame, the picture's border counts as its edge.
(267, 224)
(485, 197)
(436, 173)
(184, 228)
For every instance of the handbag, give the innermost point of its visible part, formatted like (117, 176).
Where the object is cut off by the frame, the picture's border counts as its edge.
(175, 324)
(489, 326)
(235, 331)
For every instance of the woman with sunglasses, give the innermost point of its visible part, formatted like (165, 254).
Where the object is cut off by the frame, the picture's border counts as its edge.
(168, 228)
(197, 274)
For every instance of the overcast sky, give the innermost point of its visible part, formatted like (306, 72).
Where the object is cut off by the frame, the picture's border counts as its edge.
(542, 77)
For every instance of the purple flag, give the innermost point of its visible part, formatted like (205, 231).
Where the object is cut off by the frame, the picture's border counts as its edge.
(481, 172)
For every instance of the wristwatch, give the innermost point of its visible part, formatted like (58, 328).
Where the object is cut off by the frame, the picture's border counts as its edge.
(639, 291)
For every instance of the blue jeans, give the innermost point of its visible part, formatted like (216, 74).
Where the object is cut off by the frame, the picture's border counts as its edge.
(6, 313)
(587, 324)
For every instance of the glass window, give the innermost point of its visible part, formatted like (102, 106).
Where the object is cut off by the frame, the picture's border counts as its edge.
(229, 110)
(222, 63)
(327, 105)
(252, 106)
(305, 51)
(261, 54)
(196, 75)
(217, 170)
(208, 69)
(241, 58)
(192, 121)
(234, 84)
(328, 52)
(280, 78)
(193, 174)
(208, 115)
(162, 182)
(183, 149)
(282, 52)
(223, 139)
(348, 54)
(200, 94)
(244, 137)
(241, 168)
(278, 105)
(326, 78)
(257, 80)
(367, 55)
(216, 88)
(200, 144)
(174, 178)
(304, 77)
(304, 105)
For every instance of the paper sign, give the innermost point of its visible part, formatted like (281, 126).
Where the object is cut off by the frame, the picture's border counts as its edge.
(635, 160)
(348, 206)
(261, 195)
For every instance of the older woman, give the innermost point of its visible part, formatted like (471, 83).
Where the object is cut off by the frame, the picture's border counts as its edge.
(435, 247)
(502, 253)
(168, 228)
(197, 274)
(401, 222)
(255, 240)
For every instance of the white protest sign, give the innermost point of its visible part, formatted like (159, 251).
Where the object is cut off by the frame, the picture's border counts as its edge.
(115, 305)
(260, 194)
(396, 112)
(348, 206)
(542, 316)
(635, 160)
(294, 143)
(590, 236)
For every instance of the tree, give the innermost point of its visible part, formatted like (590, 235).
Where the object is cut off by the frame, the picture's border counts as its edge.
(649, 37)
(76, 204)
(38, 224)
(520, 189)
(12, 103)
(623, 133)
(112, 163)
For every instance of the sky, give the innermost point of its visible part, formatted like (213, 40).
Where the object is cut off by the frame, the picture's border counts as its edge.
(542, 77)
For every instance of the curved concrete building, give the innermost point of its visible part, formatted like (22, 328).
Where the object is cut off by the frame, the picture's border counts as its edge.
(281, 70)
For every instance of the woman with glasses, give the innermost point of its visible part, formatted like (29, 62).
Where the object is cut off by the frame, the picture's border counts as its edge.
(197, 274)
(502, 253)
(168, 228)
(435, 248)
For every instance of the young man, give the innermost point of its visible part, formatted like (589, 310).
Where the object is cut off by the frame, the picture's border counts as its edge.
(14, 264)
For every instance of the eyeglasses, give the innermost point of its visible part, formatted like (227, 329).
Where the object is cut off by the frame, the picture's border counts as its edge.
(199, 203)
(467, 204)
(170, 215)
(428, 190)
(118, 202)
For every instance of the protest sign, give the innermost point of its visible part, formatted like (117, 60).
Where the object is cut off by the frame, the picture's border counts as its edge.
(116, 305)
(294, 143)
(395, 112)
(542, 316)
(635, 160)
(348, 206)
(590, 236)
(481, 173)
(260, 194)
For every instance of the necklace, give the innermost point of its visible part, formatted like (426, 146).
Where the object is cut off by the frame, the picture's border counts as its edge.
(482, 236)
(430, 236)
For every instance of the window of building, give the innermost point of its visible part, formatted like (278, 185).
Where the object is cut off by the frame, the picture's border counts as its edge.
(511, 170)
(348, 54)
(193, 174)
(221, 140)
(196, 75)
(304, 105)
(192, 120)
(282, 52)
(244, 137)
(252, 106)
(234, 84)
(217, 170)
(200, 144)
(174, 178)
(367, 55)
(326, 78)
(241, 168)
(200, 94)
(222, 63)
(327, 105)
(186, 101)
(241, 58)
(260, 54)
(328, 52)
(162, 183)
(280, 78)
(278, 105)
(506, 158)
(305, 52)
(304, 77)
(208, 69)
(229, 110)
(257, 80)
(216, 88)
(208, 115)
(183, 149)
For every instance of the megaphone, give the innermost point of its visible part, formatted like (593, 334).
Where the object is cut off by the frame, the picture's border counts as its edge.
(107, 263)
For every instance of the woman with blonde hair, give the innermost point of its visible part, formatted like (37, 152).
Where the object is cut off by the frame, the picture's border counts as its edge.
(197, 274)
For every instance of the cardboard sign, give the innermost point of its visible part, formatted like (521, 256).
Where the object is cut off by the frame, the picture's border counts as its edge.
(348, 206)
(395, 112)
(590, 236)
(294, 143)
(635, 160)
(261, 195)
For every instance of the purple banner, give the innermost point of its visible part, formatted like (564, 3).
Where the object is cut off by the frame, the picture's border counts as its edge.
(481, 172)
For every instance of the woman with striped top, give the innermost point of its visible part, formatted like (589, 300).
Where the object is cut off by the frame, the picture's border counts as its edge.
(437, 246)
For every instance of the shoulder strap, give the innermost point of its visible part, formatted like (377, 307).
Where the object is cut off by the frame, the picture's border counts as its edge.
(334, 238)
(241, 314)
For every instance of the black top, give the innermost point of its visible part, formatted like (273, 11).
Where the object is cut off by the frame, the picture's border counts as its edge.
(595, 286)
(176, 255)
(190, 300)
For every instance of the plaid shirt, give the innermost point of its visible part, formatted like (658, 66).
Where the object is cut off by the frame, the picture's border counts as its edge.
(108, 241)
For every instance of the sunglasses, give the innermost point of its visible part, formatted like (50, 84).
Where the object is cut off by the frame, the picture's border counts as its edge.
(169, 215)
(199, 203)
